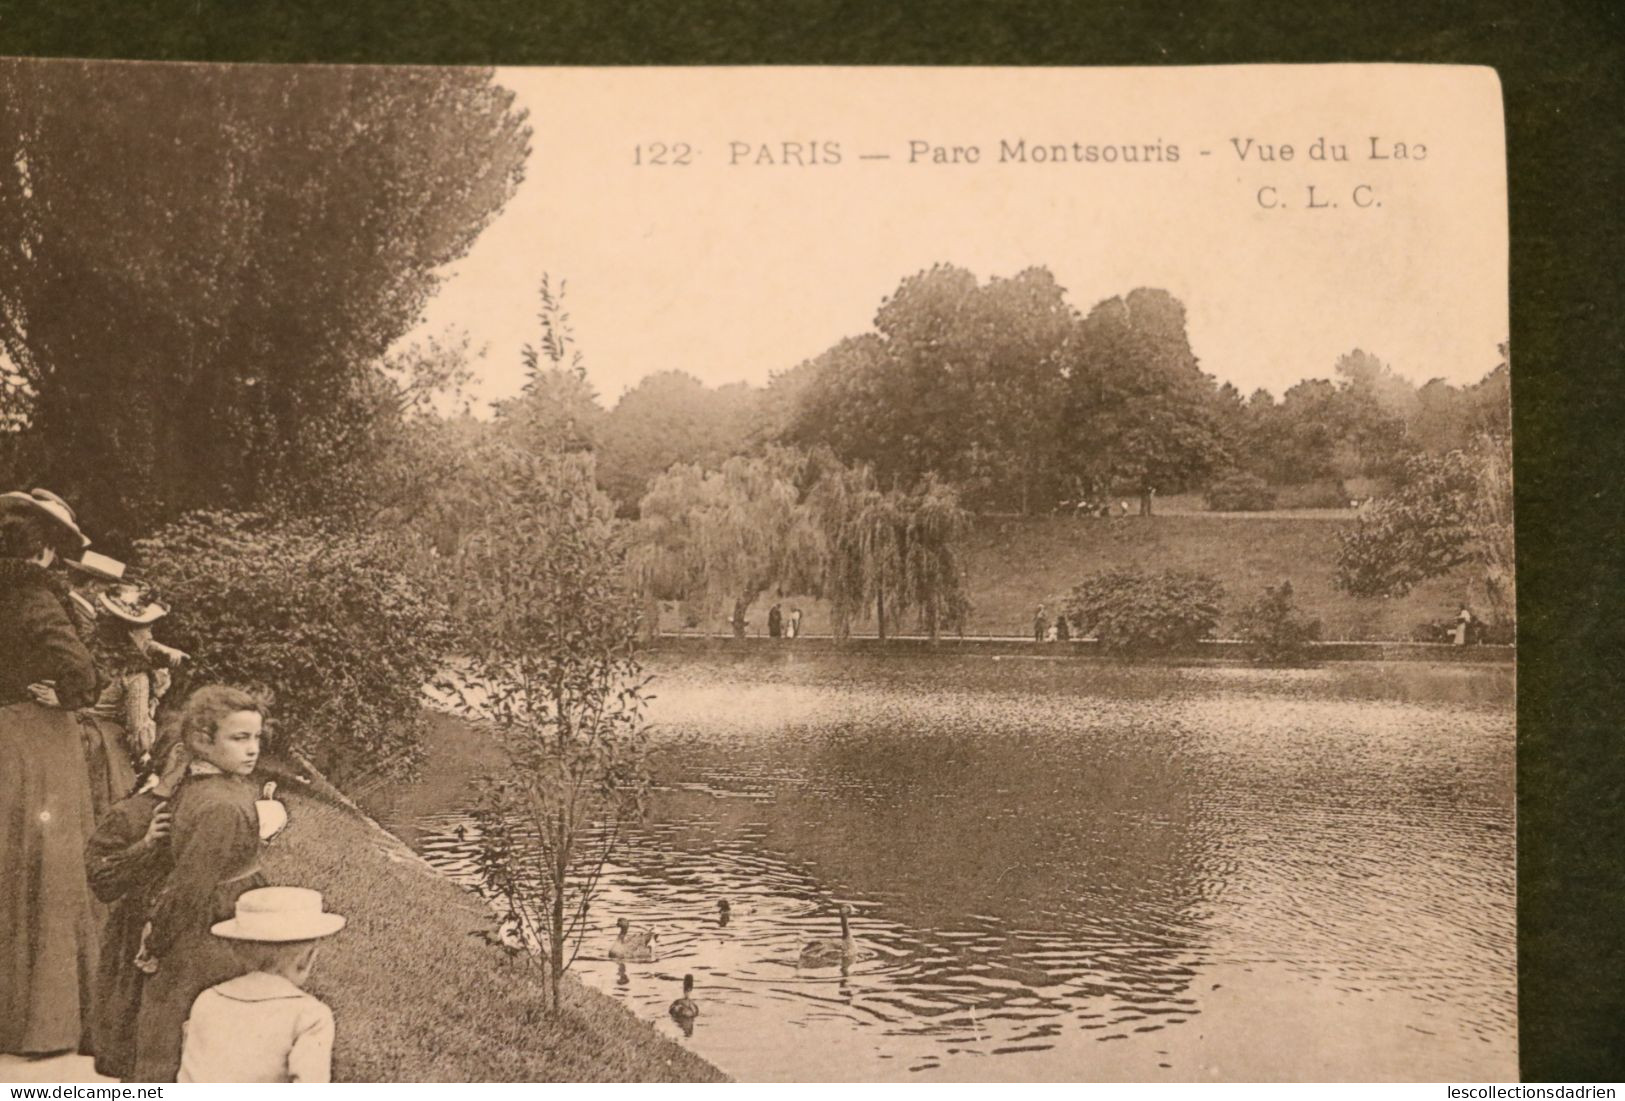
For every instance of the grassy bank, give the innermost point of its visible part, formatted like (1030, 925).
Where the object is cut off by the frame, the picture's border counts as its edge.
(1012, 564)
(418, 999)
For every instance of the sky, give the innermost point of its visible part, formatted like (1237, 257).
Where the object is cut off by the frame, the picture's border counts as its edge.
(742, 262)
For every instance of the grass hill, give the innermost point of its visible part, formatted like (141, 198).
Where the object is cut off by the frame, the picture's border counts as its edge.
(1015, 563)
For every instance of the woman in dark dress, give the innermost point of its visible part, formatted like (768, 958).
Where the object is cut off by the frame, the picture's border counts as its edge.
(128, 858)
(47, 922)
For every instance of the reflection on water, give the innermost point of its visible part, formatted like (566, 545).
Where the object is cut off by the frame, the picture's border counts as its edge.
(1071, 870)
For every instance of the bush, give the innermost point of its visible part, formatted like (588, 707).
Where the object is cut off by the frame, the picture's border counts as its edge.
(1332, 494)
(1432, 630)
(1136, 612)
(1239, 491)
(326, 622)
(1279, 633)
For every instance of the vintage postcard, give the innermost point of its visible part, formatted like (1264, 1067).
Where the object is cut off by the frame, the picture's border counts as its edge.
(910, 575)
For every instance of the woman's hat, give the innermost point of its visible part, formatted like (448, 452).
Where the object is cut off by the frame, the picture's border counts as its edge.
(45, 503)
(276, 915)
(100, 566)
(133, 604)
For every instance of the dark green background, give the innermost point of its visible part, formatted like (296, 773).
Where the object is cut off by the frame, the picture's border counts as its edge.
(1561, 67)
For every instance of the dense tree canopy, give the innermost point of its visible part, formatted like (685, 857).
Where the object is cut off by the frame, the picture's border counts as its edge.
(1139, 410)
(958, 379)
(1449, 510)
(670, 417)
(202, 269)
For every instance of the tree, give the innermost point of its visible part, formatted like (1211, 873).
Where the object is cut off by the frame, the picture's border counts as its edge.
(670, 417)
(1449, 511)
(958, 379)
(892, 551)
(1371, 411)
(1138, 408)
(557, 410)
(202, 268)
(725, 536)
(550, 633)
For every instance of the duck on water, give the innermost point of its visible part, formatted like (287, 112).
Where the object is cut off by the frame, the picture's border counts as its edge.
(636, 945)
(829, 952)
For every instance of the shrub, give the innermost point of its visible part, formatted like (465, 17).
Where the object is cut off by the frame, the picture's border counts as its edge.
(1239, 491)
(1432, 630)
(325, 621)
(1279, 633)
(1136, 612)
(1325, 494)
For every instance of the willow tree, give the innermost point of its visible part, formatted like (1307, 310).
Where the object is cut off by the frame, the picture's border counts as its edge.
(890, 550)
(725, 536)
(931, 574)
(202, 267)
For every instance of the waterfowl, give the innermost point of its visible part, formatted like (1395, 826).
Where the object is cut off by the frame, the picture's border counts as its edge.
(829, 952)
(637, 945)
(685, 1009)
(510, 936)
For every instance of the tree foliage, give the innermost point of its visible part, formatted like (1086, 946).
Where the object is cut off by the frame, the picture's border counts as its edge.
(891, 552)
(1138, 408)
(1132, 611)
(549, 631)
(1279, 633)
(957, 379)
(1238, 491)
(723, 537)
(1449, 510)
(557, 410)
(202, 269)
(670, 417)
(325, 620)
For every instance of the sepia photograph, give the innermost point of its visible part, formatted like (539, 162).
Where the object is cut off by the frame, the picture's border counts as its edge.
(804, 574)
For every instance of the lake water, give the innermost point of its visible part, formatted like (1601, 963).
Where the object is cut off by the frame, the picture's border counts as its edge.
(1074, 870)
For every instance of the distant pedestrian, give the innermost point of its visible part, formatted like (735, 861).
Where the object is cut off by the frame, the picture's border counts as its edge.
(1040, 625)
(795, 622)
(1466, 626)
(775, 622)
(1063, 629)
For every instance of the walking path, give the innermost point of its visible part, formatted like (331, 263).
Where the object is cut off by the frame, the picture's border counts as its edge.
(52, 1068)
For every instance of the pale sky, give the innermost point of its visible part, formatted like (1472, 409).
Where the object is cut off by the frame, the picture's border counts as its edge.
(734, 271)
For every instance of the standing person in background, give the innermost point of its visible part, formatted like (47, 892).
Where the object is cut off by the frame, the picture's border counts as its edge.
(1063, 630)
(1040, 625)
(795, 623)
(1465, 624)
(775, 622)
(47, 913)
(127, 858)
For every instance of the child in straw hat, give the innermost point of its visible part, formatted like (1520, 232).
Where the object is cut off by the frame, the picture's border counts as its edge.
(262, 1026)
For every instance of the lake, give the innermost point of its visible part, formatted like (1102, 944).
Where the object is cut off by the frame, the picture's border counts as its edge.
(1072, 869)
